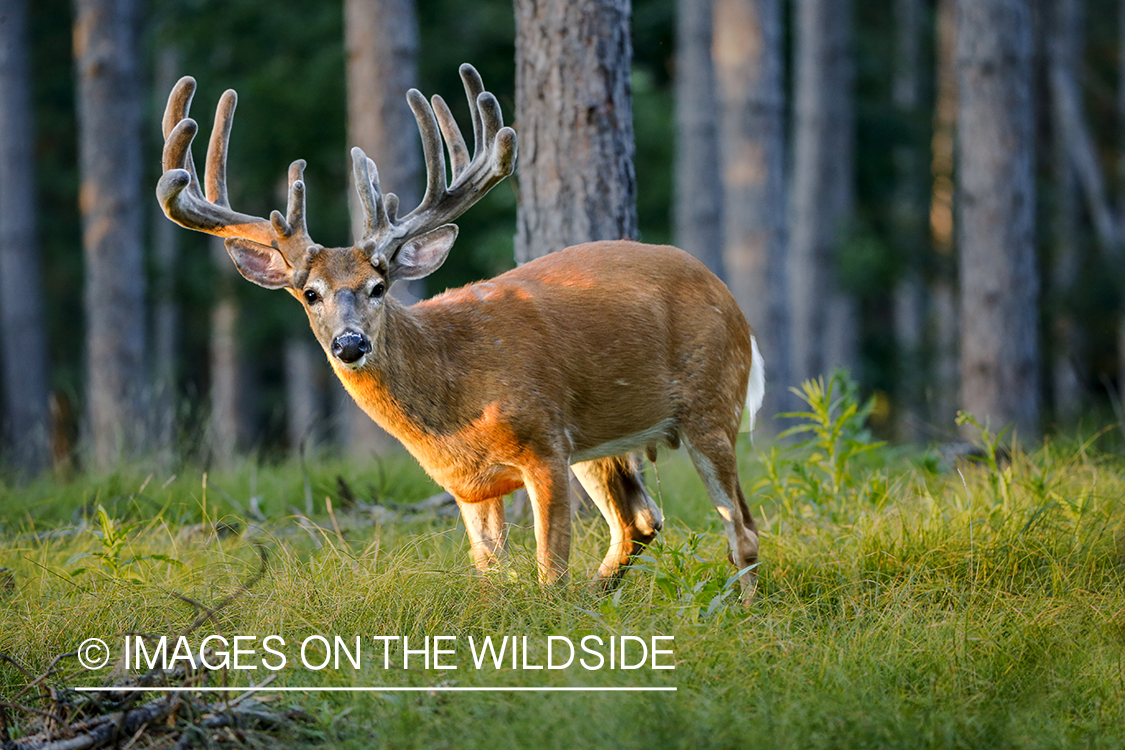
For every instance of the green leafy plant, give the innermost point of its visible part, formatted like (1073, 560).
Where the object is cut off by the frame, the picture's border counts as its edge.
(813, 472)
(113, 537)
(695, 584)
(999, 477)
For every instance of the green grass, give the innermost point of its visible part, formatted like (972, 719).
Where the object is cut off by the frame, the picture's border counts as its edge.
(906, 607)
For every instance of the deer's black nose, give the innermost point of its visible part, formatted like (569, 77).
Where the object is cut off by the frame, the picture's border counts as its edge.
(350, 346)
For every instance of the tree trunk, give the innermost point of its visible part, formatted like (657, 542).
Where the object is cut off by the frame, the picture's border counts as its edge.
(381, 37)
(996, 185)
(166, 309)
(698, 215)
(109, 117)
(749, 63)
(943, 322)
(227, 404)
(1064, 61)
(24, 422)
(382, 65)
(909, 227)
(574, 113)
(574, 116)
(824, 318)
(301, 392)
(1121, 185)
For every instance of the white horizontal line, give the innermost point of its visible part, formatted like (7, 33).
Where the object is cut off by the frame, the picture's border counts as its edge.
(376, 689)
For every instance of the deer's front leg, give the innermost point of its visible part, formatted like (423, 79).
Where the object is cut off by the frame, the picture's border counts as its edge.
(484, 522)
(548, 488)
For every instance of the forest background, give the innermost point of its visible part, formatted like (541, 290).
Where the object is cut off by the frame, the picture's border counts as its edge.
(868, 196)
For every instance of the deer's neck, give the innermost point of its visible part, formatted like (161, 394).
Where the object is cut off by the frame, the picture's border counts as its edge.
(408, 383)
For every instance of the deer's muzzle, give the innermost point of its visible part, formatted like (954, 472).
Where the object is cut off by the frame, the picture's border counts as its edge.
(350, 347)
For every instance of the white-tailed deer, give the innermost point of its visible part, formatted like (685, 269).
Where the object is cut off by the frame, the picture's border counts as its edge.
(584, 358)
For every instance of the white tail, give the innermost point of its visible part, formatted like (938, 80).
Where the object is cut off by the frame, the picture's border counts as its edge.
(756, 392)
(585, 358)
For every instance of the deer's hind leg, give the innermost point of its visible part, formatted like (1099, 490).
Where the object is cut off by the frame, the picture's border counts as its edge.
(484, 523)
(712, 453)
(617, 488)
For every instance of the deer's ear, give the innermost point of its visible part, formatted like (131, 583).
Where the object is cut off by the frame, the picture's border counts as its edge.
(422, 255)
(258, 263)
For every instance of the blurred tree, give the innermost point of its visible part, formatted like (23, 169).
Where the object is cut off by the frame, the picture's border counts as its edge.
(749, 68)
(303, 370)
(1063, 32)
(165, 298)
(24, 422)
(824, 319)
(699, 189)
(909, 219)
(574, 114)
(109, 117)
(381, 38)
(942, 324)
(1121, 185)
(227, 431)
(996, 188)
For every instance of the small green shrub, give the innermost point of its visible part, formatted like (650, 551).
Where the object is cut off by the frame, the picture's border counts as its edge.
(811, 476)
(113, 539)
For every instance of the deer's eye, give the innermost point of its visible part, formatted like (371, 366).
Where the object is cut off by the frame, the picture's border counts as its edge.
(378, 290)
(311, 297)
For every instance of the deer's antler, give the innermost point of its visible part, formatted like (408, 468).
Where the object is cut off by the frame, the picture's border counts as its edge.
(184, 203)
(494, 157)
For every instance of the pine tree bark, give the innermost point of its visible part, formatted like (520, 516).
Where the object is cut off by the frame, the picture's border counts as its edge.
(996, 188)
(166, 309)
(227, 401)
(24, 418)
(574, 114)
(109, 117)
(943, 322)
(381, 37)
(1121, 183)
(698, 214)
(748, 60)
(909, 224)
(824, 318)
(1064, 62)
(302, 409)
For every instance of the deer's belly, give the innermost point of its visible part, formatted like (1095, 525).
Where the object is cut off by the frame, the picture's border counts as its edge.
(493, 481)
(658, 434)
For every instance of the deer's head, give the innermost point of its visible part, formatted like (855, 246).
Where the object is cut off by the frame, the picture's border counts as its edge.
(343, 289)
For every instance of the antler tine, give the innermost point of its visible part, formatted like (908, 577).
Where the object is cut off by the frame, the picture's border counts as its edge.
(176, 111)
(216, 185)
(295, 209)
(454, 141)
(179, 130)
(390, 201)
(177, 149)
(375, 222)
(431, 149)
(474, 87)
(492, 119)
(292, 226)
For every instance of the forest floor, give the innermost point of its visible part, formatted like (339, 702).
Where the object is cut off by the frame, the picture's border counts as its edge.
(903, 601)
